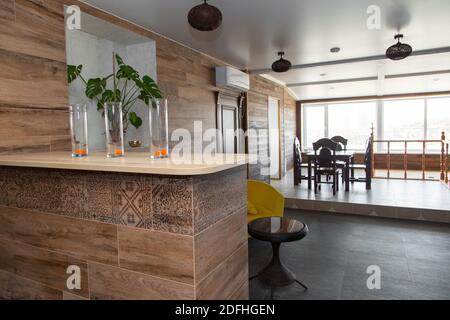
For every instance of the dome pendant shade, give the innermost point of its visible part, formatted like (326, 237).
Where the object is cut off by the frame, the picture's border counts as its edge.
(281, 65)
(205, 17)
(399, 51)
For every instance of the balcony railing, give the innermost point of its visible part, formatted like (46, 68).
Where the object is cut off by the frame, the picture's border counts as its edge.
(446, 164)
(443, 161)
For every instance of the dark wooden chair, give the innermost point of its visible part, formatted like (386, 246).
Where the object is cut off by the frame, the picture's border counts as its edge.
(367, 167)
(342, 146)
(342, 143)
(325, 164)
(298, 164)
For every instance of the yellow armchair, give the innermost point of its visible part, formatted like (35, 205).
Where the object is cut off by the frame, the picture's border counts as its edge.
(263, 201)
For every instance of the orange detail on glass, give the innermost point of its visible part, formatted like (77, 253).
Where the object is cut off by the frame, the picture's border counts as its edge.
(118, 152)
(81, 152)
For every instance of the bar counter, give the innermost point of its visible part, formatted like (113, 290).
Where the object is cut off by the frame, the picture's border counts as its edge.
(131, 228)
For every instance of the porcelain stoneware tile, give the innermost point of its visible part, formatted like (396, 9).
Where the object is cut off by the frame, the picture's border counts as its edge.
(218, 195)
(172, 205)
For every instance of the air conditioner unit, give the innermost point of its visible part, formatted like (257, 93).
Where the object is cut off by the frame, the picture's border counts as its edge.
(230, 78)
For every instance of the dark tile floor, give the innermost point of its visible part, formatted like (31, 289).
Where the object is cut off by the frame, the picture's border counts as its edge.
(332, 260)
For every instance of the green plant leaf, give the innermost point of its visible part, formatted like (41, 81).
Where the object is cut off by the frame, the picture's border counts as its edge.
(119, 60)
(135, 120)
(149, 90)
(73, 72)
(127, 72)
(95, 87)
(108, 96)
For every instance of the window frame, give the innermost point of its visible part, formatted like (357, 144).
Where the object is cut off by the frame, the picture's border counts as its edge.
(380, 110)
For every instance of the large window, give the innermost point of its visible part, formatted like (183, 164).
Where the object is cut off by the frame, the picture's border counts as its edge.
(352, 121)
(401, 119)
(438, 120)
(404, 119)
(315, 116)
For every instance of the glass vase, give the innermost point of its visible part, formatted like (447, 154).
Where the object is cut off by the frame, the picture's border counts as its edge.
(78, 130)
(159, 130)
(114, 130)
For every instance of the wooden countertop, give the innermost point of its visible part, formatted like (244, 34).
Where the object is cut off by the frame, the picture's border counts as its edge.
(133, 162)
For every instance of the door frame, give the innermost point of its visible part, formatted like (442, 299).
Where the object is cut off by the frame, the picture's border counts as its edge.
(230, 103)
(279, 135)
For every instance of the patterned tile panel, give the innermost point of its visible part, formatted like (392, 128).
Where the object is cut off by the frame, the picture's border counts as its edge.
(217, 196)
(34, 189)
(73, 194)
(147, 212)
(99, 199)
(172, 205)
(160, 203)
(128, 202)
(3, 187)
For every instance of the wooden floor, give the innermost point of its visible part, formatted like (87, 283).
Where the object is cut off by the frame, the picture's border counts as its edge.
(410, 200)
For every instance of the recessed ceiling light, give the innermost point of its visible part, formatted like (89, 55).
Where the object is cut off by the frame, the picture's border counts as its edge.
(335, 50)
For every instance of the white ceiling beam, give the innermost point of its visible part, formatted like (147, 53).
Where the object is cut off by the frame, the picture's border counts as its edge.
(354, 60)
(392, 76)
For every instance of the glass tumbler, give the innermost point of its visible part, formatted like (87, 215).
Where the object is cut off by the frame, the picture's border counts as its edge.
(114, 130)
(159, 130)
(78, 130)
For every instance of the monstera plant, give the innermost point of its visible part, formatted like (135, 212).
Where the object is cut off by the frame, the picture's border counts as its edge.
(123, 85)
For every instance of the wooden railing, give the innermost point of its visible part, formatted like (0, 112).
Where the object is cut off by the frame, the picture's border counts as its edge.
(444, 158)
(446, 164)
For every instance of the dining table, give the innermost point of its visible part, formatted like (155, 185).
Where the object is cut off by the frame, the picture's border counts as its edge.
(344, 156)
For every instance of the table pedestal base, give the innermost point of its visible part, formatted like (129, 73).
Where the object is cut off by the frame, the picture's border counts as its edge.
(276, 274)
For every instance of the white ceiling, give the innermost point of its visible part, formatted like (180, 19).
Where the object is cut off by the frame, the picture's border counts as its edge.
(254, 30)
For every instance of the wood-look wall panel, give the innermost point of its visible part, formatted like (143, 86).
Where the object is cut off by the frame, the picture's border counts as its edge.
(86, 240)
(28, 69)
(60, 143)
(11, 145)
(35, 18)
(13, 287)
(42, 266)
(18, 123)
(110, 283)
(17, 38)
(7, 11)
(72, 297)
(257, 108)
(211, 249)
(225, 280)
(164, 255)
(242, 293)
(289, 129)
(27, 81)
(33, 75)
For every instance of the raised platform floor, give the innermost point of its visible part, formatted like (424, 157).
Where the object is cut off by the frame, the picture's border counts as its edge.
(399, 199)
